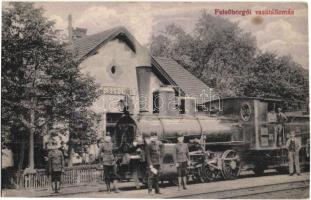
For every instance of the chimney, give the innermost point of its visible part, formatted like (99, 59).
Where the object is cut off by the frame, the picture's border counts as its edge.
(143, 83)
(165, 102)
(70, 28)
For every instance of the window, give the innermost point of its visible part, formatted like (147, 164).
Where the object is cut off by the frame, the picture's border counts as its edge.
(113, 69)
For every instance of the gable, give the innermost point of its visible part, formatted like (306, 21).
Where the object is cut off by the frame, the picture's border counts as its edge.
(87, 46)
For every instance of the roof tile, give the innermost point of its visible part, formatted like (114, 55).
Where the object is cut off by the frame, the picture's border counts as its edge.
(188, 83)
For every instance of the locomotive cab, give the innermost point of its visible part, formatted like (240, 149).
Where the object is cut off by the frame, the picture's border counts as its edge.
(257, 116)
(264, 136)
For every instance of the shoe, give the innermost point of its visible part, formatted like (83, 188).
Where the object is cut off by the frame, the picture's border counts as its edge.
(291, 174)
(158, 192)
(298, 174)
(184, 187)
(116, 191)
(149, 192)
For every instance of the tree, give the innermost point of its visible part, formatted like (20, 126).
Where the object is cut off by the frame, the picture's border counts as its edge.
(71, 99)
(226, 58)
(41, 81)
(275, 77)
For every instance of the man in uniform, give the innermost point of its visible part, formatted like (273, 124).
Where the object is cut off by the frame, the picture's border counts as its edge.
(109, 163)
(278, 129)
(183, 159)
(293, 146)
(153, 162)
(55, 166)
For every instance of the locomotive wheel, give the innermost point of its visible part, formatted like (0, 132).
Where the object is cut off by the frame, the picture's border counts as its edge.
(210, 174)
(230, 164)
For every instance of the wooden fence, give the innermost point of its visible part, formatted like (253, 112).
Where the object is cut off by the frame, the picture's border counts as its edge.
(73, 176)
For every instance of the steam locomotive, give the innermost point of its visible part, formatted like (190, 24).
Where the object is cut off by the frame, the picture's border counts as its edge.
(235, 134)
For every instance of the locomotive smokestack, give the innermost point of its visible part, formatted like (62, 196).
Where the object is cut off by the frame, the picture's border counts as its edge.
(143, 82)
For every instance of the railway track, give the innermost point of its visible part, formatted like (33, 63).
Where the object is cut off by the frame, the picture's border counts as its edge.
(248, 187)
(244, 193)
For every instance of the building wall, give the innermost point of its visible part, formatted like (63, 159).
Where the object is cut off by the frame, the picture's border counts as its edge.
(119, 81)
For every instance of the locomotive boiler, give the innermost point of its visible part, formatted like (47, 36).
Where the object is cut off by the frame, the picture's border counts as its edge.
(172, 115)
(196, 130)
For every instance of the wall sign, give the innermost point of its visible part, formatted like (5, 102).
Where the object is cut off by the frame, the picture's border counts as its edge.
(111, 90)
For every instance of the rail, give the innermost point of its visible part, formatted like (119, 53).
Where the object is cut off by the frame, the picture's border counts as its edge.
(73, 176)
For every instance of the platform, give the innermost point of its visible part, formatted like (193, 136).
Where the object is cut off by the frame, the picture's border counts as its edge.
(127, 191)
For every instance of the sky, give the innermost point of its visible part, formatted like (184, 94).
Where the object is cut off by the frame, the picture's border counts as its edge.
(285, 35)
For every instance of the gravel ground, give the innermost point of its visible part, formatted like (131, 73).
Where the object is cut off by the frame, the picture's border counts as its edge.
(289, 194)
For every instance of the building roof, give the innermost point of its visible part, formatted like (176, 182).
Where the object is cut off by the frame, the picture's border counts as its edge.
(169, 69)
(179, 76)
(83, 47)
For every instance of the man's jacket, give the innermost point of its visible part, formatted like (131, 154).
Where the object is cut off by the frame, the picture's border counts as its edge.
(293, 145)
(153, 153)
(55, 160)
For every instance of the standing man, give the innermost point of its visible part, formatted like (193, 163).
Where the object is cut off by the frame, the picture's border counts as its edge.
(279, 128)
(293, 146)
(64, 151)
(153, 162)
(109, 163)
(183, 159)
(56, 166)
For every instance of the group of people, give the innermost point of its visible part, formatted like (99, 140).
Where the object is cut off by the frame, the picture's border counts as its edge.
(153, 158)
(293, 145)
(152, 152)
(152, 155)
(153, 162)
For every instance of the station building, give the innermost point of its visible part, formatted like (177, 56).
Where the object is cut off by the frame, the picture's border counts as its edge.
(112, 58)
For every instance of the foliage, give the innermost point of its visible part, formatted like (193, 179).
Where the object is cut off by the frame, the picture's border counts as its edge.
(226, 58)
(41, 81)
